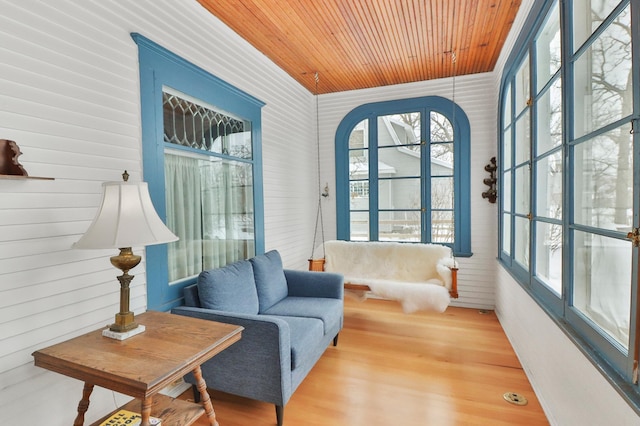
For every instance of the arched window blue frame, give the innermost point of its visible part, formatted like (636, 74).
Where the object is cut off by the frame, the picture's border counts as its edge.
(461, 171)
(161, 68)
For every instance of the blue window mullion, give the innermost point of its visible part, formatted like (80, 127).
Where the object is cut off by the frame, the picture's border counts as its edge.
(374, 186)
(568, 108)
(425, 169)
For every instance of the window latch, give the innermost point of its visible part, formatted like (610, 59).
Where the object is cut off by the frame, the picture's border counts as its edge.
(634, 236)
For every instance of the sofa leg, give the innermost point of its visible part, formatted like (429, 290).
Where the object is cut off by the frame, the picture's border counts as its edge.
(335, 340)
(279, 414)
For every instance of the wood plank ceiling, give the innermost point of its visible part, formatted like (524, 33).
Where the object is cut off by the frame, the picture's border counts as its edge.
(356, 44)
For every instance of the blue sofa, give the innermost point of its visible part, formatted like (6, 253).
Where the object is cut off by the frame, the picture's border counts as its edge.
(289, 317)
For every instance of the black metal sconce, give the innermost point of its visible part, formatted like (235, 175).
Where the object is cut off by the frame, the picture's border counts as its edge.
(491, 194)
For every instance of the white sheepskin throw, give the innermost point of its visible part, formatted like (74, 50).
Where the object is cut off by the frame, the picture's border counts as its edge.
(417, 275)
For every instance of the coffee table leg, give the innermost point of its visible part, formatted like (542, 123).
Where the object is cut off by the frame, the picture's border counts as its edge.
(204, 395)
(83, 405)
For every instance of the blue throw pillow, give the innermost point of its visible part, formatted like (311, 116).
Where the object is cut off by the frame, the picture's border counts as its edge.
(270, 280)
(230, 289)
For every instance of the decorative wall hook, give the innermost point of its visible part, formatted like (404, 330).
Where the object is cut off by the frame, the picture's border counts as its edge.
(325, 191)
(491, 194)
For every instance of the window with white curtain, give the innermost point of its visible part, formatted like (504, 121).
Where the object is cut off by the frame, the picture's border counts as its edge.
(208, 184)
(202, 160)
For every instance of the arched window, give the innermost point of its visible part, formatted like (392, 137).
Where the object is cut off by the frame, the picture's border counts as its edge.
(418, 187)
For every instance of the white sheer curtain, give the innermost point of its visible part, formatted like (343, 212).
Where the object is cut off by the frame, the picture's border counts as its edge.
(210, 207)
(184, 218)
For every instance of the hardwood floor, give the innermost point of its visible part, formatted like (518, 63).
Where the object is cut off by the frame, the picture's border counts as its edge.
(407, 370)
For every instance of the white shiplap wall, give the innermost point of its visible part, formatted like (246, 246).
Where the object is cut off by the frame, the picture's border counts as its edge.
(476, 96)
(69, 96)
(570, 389)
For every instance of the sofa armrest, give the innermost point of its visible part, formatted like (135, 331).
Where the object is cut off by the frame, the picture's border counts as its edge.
(314, 284)
(258, 366)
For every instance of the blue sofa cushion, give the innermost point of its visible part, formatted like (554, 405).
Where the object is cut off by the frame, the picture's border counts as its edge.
(270, 280)
(305, 334)
(325, 309)
(230, 289)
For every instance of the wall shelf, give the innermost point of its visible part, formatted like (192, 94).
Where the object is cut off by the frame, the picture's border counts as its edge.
(10, 168)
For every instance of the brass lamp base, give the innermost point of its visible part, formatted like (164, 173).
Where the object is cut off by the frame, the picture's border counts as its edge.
(124, 320)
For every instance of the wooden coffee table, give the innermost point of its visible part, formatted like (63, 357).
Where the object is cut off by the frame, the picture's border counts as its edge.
(142, 365)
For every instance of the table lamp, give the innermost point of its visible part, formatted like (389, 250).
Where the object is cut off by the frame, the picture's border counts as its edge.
(126, 218)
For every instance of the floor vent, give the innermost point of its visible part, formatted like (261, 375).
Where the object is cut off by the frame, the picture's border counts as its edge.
(515, 398)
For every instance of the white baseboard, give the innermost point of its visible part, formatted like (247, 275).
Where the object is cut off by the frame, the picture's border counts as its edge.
(176, 388)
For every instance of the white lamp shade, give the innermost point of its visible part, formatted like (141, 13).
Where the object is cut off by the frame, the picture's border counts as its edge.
(126, 218)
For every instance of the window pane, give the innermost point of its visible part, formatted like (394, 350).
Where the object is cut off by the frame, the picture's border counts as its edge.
(399, 194)
(506, 153)
(400, 226)
(359, 195)
(602, 283)
(359, 224)
(523, 138)
(603, 83)
(400, 129)
(603, 181)
(549, 186)
(359, 136)
(190, 123)
(442, 159)
(549, 108)
(548, 266)
(398, 161)
(521, 191)
(522, 89)
(521, 247)
(506, 233)
(507, 111)
(442, 229)
(587, 16)
(359, 190)
(210, 208)
(548, 56)
(442, 193)
(359, 164)
(506, 192)
(441, 129)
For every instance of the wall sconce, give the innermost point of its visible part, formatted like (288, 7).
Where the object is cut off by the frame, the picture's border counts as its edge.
(491, 194)
(126, 218)
(325, 191)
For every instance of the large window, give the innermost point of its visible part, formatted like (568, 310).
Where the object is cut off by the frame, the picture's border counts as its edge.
(202, 160)
(402, 170)
(568, 142)
(208, 172)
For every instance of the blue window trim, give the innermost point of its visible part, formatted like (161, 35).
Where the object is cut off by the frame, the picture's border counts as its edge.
(462, 160)
(607, 361)
(161, 68)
